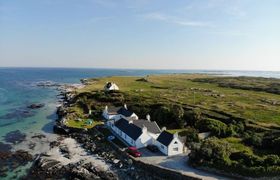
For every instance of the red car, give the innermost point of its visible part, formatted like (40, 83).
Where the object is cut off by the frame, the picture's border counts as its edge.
(134, 152)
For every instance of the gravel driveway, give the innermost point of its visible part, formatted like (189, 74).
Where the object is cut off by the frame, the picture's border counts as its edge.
(178, 162)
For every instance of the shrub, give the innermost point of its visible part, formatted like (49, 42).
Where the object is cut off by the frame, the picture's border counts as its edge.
(253, 139)
(212, 150)
(192, 116)
(178, 115)
(191, 135)
(217, 128)
(216, 153)
(271, 160)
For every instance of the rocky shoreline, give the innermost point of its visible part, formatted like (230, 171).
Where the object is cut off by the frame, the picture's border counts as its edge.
(81, 154)
(74, 153)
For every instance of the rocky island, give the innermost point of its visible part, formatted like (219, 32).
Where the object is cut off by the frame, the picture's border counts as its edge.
(240, 114)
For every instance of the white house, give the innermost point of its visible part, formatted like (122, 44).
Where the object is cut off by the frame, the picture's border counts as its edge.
(169, 144)
(138, 133)
(113, 114)
(110, 86)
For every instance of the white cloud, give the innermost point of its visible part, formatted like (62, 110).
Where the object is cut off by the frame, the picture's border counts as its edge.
(175, 20)
(231, 33)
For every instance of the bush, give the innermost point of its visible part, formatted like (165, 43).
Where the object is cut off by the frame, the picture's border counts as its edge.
(253, 139)
(272, 141)
(212, 150)
(271, 160)
(216, 153)
(192, 116)
(217, 128)
(191, 135)
(178, 115)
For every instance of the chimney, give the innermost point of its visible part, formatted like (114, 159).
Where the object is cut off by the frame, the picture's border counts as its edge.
(148, 117)
(106, 108)
(163, 129)
(175, 135)
(144, 129)
(125, 106)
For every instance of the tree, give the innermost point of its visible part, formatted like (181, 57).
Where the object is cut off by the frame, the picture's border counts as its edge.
(178, 115)
(193, 116)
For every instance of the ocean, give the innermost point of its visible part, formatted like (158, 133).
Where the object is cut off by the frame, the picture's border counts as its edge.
(18, 90)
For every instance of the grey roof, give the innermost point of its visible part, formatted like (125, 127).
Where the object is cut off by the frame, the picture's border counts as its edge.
(151, 126)
(165, 138)
(125, 112)
(130, 129)
(134, 129)
(120, 110)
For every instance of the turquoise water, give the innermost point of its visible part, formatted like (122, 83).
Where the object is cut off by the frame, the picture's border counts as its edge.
(18, 89)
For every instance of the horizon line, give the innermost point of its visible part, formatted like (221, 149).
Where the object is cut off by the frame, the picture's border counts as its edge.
(110, 68)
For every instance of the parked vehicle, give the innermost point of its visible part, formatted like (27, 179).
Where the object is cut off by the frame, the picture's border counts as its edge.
(152, 148)
(134, 152)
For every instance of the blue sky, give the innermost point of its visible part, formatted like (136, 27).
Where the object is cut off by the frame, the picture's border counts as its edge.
(153, 34)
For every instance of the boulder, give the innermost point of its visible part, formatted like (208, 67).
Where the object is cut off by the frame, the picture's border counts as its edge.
(14, 137)
(54, 144)
(59, 130)
(82, 173)
(36, 106)
(39, 136)
(5, 147)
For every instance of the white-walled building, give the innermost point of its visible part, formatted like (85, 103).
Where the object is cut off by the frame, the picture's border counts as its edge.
(113, 114)
(138, 133)
(110, 86)
(169, 144)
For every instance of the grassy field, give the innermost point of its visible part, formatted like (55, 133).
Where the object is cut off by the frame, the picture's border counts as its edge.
(82, 123)
(260, 107)
(242, 115)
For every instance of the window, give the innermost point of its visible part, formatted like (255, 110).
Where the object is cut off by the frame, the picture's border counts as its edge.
(176, 149)
(161, 146)
(125, 136)
(132, 142)
(175, 142)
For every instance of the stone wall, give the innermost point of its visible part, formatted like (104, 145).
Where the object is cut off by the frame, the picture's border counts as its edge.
(158, 172)
(161, 172)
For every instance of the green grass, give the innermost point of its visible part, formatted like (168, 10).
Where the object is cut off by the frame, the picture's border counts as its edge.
(237, 145)
(173, 131)
(179, 88)
(82, 124)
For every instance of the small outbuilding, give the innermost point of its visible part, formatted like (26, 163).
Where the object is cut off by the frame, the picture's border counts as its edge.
(116, 113)
(169, 144)
(110, 86)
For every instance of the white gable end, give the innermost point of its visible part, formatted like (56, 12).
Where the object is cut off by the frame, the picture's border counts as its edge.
(175, 147)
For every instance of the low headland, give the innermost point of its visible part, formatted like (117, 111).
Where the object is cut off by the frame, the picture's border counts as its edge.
(242, 115)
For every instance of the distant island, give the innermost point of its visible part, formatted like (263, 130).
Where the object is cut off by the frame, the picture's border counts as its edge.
(230, 125)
